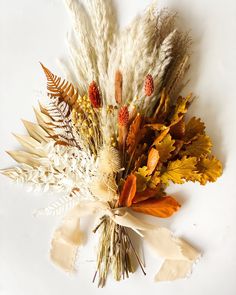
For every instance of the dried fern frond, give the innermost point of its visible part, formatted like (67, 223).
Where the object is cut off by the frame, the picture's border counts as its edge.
(60, 89)
(61, 122)
(59, 207)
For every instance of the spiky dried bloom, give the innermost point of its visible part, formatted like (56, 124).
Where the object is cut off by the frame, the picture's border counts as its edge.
(94, 95)
(148, 85)
(123, 116)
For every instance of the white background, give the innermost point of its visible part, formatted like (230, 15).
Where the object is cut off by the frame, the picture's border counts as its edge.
(33, 31)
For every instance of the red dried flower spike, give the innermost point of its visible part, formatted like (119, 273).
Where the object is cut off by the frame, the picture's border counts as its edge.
(149, 85)
(94, 95)
(123, 116)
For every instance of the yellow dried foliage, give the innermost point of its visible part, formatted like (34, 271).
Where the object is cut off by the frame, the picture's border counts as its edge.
(179, 170)
(181, 107)
(209, 169)
(194, 127)
(142, 178)
(165, 147)
(199, 147)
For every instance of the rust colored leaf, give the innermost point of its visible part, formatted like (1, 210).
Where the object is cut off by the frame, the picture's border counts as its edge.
(177, 131)
(144, 195)
(61, 89)
(153, 158)
(162, 207)
(128, 191)
(134, 134)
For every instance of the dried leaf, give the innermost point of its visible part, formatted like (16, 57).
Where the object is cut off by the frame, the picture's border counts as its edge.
(31, 145)
(61, 89)
(178, 170)
(165, 147)
(199, 147)
(155, 180)
(26, 158)
(177, 130)
(133, 136)
(153, 158)
(181, 108)
(178, 146)
(156, 126)
(209, 169)
(141, 160)
(161, 136)
(163, 107)
(142, 178)
(162, 207)
(194, 127)
(128, 191)
(144, 195)
(44, 121)
(36, 131)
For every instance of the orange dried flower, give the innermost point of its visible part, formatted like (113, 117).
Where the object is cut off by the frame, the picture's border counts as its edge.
(123, 116)
(94, 95)
(149, 85)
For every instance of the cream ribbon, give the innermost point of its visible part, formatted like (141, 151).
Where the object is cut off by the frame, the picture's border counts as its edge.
(178, 255)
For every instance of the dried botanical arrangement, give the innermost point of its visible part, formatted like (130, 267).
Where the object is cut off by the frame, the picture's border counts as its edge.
(113, 136)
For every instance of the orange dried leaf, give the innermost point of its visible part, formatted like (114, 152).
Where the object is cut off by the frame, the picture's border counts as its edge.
(61, 89)
(128, 191)
(144, 195)
(153, 158)
(162, 207)
(133, 134)
(177, 131)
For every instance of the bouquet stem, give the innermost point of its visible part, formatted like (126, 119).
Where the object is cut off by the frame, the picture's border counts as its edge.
(114, 252)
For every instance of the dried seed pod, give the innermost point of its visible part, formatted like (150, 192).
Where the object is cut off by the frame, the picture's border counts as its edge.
(94, 95)
(149, 85)
(118, 87)
(123, 116)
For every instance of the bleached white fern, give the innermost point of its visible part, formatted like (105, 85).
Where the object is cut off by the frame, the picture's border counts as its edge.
(59, 207)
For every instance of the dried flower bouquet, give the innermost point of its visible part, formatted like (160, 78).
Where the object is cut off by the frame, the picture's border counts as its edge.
(115, 136)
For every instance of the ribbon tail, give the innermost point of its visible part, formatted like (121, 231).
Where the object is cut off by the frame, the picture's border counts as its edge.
(68, 237)
(66, 240)
(179, 256)
(174, 269)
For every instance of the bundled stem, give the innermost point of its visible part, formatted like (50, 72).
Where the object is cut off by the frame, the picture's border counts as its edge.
(114, 252)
